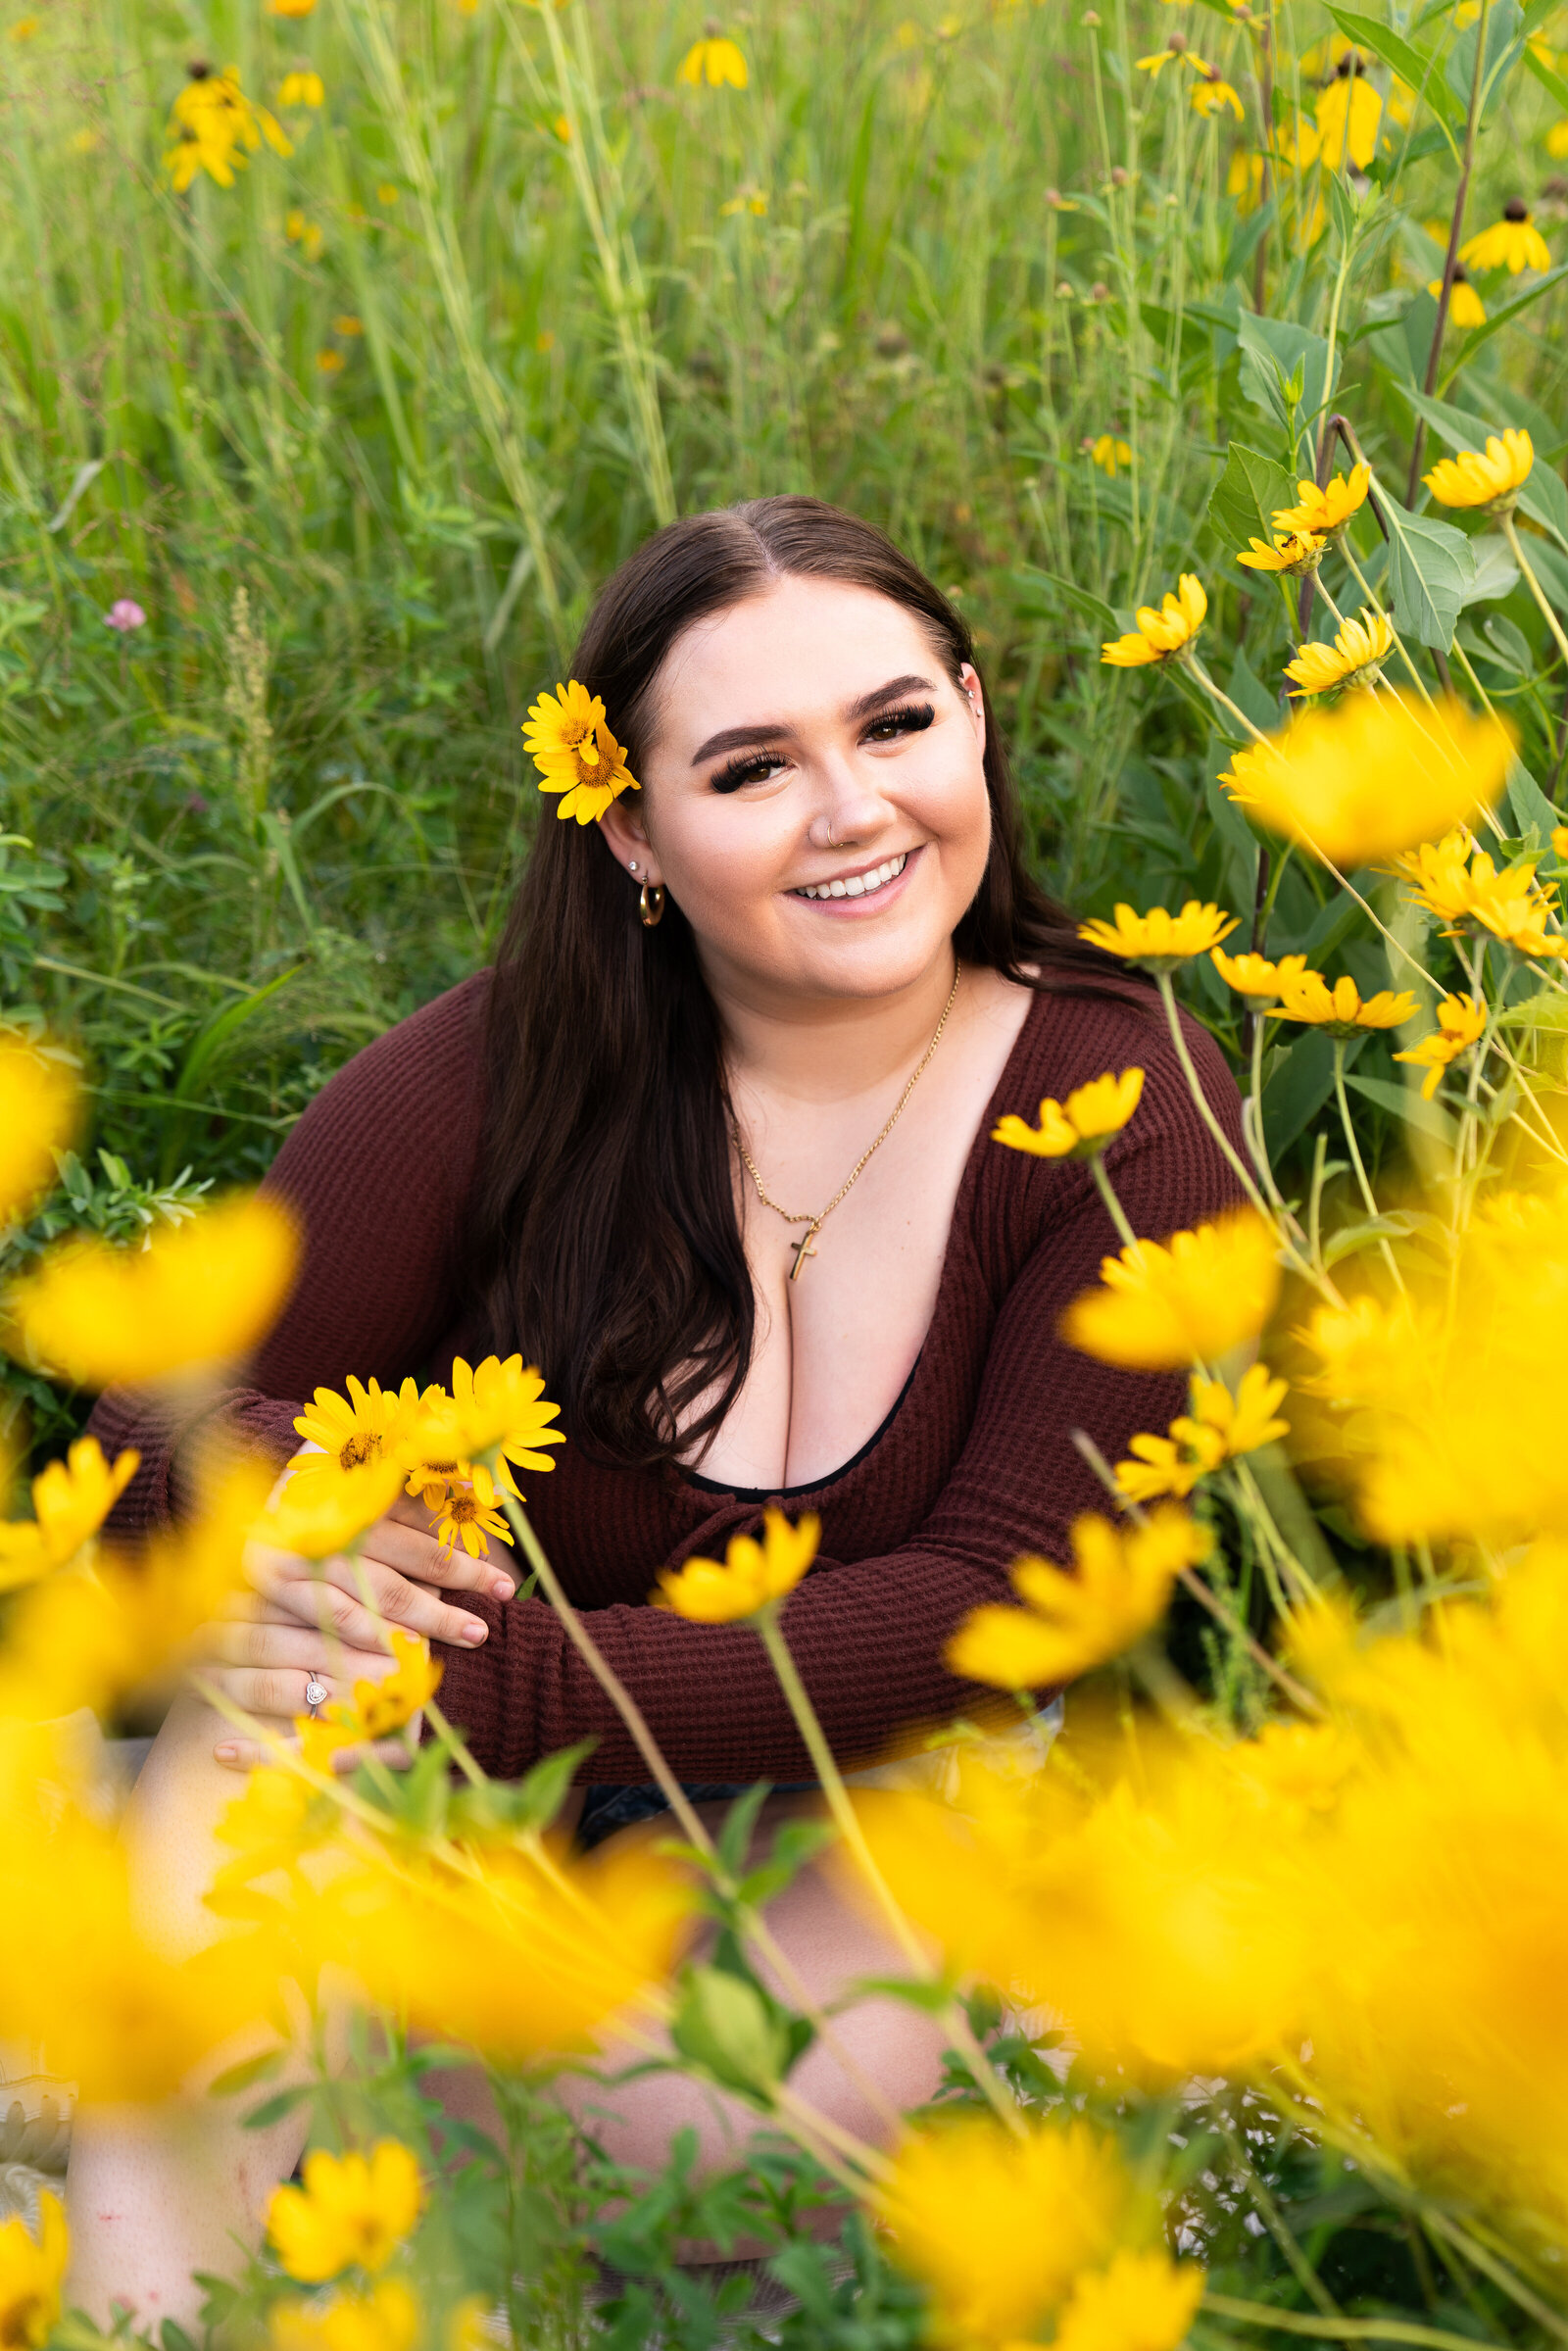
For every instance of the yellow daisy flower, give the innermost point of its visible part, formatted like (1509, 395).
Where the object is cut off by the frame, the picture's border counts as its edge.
(1354, 658)
(1255, 975)
(1461, 1023)
(714, 62)
(1369, 778)
(1348, 113)
(494, 1407)
(40, 1098)
(575, 753)
(1493, 479)
(387, 2319)
(71, 1499)
(1080, 1127)
(302, 89)
(1162, 633)
(1192, 1298)
(352, 1430)
(1326, 512)
(754, 1574)
(213, 128)
(468, 1513)
(353, 2209)
(1293, 553)
(1465, 306)
(1340, 1011)
(1159, 939)
(1513, 243)
(1211, 94)
(1138, 2302)
(1120, 1585)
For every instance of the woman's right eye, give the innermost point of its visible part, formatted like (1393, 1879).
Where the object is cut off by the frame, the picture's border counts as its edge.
(755, 769)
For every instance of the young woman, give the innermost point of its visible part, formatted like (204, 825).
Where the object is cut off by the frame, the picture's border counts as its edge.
(711, 1145)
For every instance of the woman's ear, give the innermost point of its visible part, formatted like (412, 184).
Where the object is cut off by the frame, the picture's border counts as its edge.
(974, 696)
(622, 829)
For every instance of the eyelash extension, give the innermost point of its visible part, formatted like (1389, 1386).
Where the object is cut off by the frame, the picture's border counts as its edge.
(909, 719)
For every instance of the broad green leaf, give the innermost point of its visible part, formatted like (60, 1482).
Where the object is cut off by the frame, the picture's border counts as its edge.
(1496, 572)
(1429, 570)
(1530, 804)
(1545, 498)
(1246, 496)
(1273, 351)
(1549, 79)
(1504, 37)
(1301, 1083)
(1508, 643)
(1429, 1117)
(1418, 67)
(1548, 1011)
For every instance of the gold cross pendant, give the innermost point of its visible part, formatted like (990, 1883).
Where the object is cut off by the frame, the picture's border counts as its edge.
(803, 1251)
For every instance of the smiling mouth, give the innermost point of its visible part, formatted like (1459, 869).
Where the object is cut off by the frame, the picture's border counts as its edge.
(858, 885)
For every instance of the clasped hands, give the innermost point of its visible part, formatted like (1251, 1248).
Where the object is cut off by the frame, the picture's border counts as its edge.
(308, 1618)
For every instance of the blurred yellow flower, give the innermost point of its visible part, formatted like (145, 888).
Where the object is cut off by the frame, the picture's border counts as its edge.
(1110, 454)
(319, 1516)
(303, 233)
(71, 1499)
(345, 324)
(1243, 179)
(965, 2201)
(1513, 243)
(1491, 480)
(387, 193)
(1119, 1585)
(40, 1098)
(1326, 512)
(387, 2319)
(1159, 939)
(190, 1293)
(329, 363)
(575, 751)
(1557, 139)
(1348, 113)
(1160, 633)
(1255, 975)
(353, 2209)
(1212, 93)
(1372, 778)
(24, 29)
(754, 1574)
(1359, 649)
(1293, 553)
(1175, 50)
(749, 199)
(291, 8)
(1465, 306)
(714, 62)
(1080, 1127)
(1219, 1427)
(302, 88)
(30, 2273)
(1339, 1010)
(378, 1709)
(213, 128)
(1140, 2302)
(1461, 1023)
(1189, 1300)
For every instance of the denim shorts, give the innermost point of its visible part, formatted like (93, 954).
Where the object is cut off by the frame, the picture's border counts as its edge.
(607, 1809)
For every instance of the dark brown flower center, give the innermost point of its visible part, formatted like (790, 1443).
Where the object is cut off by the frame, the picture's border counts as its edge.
(362, 1447)
(1516, 210)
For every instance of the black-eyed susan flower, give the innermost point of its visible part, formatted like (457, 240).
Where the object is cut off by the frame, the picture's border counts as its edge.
(71, 1499)
(1110, 453)
(1371, 778)
(1218, 1427)
(1355, 658)
(302, 88)
(214, 128)
(1212, 93)
(1159, 938)
(1492, 479)
(1161, 634)
(1120, 1587)
(1167, 1304)
(1080, 1127)
(1174, 51)
(1294, 554)
(714, 62)
(1513, 243)
(575, 753)
(1341, 1010)
(1257, 975)
(353, 2210)
(1461, 1023)
(1326, 512)
(1349, 113)
(754, 1577)
(1243, 179)
(1465, 306)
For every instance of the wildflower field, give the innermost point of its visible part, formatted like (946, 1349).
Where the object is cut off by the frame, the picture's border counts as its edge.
(1211, 358)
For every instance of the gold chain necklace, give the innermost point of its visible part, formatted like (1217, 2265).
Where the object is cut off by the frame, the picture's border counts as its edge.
(814, 1224)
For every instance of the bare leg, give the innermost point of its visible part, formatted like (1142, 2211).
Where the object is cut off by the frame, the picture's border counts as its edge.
(155, 2193)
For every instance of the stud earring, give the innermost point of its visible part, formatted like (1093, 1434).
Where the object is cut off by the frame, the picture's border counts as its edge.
(631, 864)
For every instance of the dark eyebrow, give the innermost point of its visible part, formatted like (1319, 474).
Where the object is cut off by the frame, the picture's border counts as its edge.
(732, 738)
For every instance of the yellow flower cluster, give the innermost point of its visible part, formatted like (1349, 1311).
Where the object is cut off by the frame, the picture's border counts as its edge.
(573, 749)
(1219, 1427)
(1463, 888)
(214, 128)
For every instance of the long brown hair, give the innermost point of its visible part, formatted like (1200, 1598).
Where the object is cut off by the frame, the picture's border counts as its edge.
(608, 1239)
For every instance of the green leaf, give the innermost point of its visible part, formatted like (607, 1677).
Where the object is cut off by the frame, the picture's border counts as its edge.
(723, 2029)
(1505, 31)
(1066, 591)
(1429, 569)
(1301, 1083)
(1548, 1011)
(1430, 1117)
(1500, 318)
(1549, 79)
(1273, 352)
(1530, 804)
(1545, 498)
(273, 2110)
(1496, 572)
(242, 2077)
(1246, 497)
(1418, 67)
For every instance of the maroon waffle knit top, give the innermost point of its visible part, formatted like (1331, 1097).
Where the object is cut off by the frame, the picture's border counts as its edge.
(974, 1465)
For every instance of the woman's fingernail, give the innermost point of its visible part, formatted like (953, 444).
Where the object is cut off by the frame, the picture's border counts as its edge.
(226, 1752)
(473, 1632)
(500, 1590)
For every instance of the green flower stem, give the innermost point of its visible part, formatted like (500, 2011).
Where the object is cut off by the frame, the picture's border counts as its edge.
(766, 1626)
(1338, 2330)
(1195, 668)
(1238, 1164)
(1510, 532)
(1367, 1194)
(1113, 1207)
(1253, 1112)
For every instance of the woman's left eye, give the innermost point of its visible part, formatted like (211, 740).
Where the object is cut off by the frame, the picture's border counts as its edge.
(912, 720)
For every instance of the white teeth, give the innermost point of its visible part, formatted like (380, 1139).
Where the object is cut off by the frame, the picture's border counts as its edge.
(858, 885)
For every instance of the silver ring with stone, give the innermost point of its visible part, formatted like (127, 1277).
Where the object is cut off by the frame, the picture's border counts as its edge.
(316, 1695)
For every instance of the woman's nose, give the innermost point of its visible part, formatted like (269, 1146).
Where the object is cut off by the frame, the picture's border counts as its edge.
(850, 810)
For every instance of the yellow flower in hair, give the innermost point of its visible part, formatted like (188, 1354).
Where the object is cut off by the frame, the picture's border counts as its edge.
(1080, 1127)
(1159, 939)
(1294, 554)
(1326, 511)
(1340, 1011)
(1119, 1585)
(1160, 633)
(575, 753)
(1461, 1023)
(754, 1574)
(1359, 649)
(1491, 480)
(1513, 243)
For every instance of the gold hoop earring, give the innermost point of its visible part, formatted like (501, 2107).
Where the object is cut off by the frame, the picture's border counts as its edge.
(651, 904)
